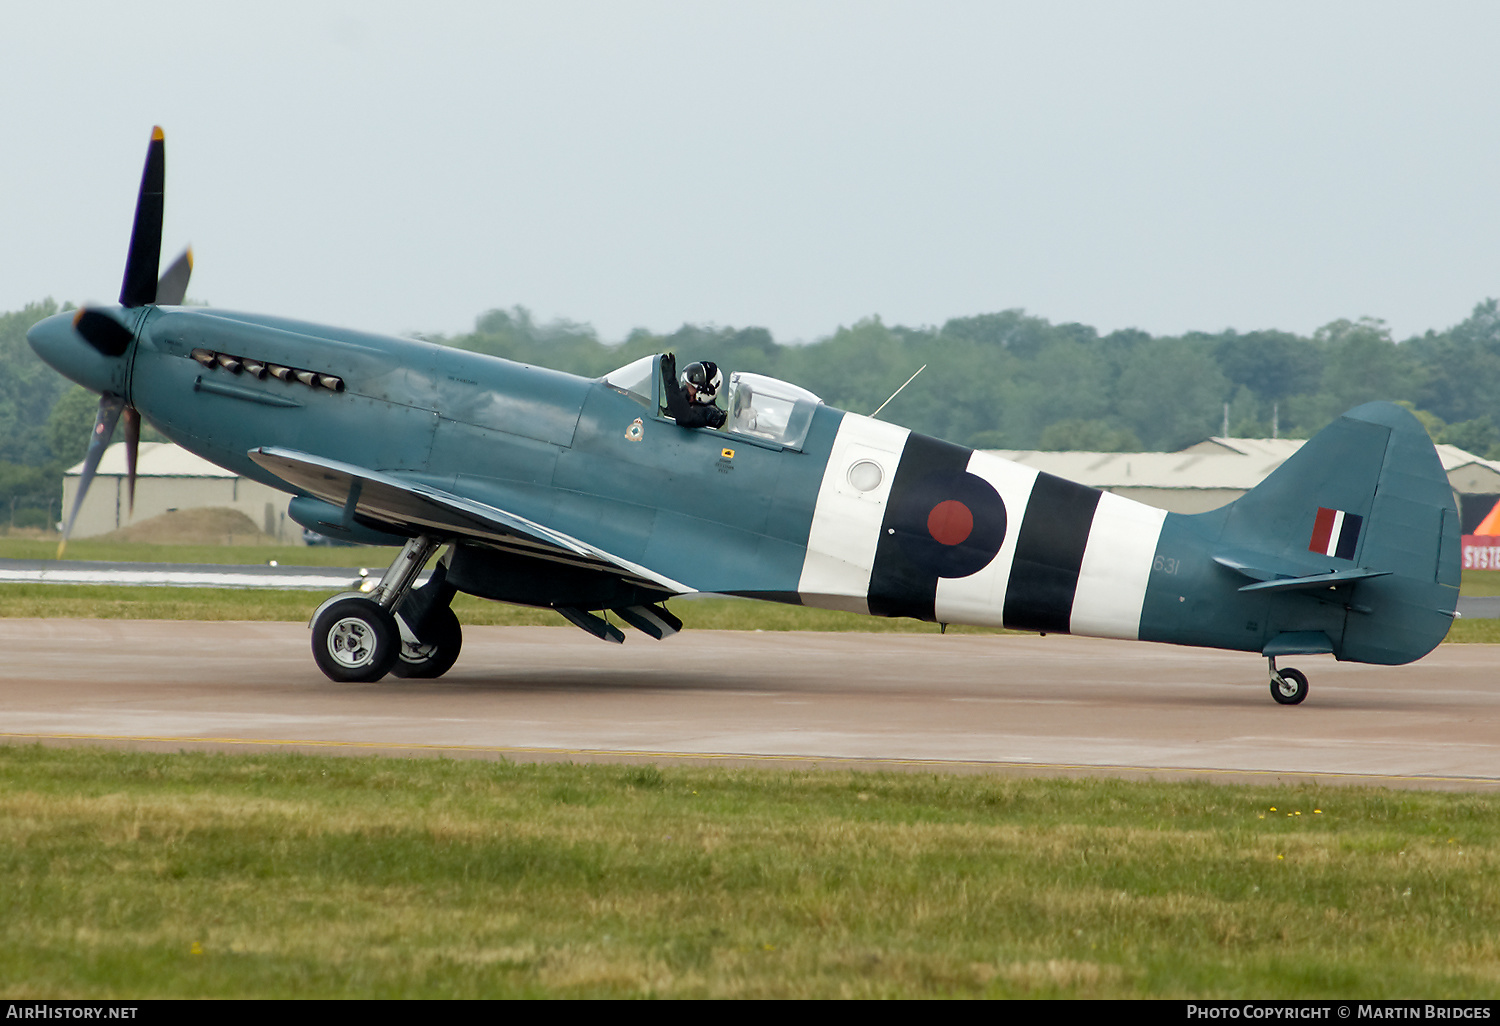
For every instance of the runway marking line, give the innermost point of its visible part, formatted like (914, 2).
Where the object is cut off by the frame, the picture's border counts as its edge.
(713, 756)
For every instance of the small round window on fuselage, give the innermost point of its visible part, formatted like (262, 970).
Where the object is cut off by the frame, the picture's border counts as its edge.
(866, 475)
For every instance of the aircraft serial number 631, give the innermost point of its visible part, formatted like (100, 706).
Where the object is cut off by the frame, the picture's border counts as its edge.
(581, 495)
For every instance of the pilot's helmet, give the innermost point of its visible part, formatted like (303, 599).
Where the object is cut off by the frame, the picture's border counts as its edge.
(706, 378)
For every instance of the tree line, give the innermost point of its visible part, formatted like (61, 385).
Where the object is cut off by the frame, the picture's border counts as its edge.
(1011, 380)
(1006, 380)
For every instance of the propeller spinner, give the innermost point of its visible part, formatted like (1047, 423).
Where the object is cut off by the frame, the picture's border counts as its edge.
(109, 334)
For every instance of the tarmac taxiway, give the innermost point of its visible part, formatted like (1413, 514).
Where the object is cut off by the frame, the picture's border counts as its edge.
(968, 703)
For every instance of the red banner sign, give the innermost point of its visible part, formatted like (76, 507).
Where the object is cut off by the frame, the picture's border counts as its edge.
(1481, 552)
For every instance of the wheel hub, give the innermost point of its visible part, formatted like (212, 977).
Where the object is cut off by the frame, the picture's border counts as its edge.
(351, 643)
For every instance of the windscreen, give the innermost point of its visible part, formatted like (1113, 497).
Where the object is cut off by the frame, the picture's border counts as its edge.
(638, 378)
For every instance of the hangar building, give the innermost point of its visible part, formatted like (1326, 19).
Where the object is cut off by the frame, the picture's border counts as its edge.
(1217, 471)
(169, 478)
(1201, 477)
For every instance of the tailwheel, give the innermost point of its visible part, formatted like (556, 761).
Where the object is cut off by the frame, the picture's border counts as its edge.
(1288, 687)
(432, 650)
(354, 640)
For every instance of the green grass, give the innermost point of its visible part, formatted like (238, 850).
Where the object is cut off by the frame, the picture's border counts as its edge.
(133, 875)
(266, 875)
(1475, 632)
(89, 550)
(87, 601)
(1475, 582)
(1480, 582)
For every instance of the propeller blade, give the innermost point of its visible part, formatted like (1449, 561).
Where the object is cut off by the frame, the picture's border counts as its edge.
(102, 331)
(132, 447)
(171, 287)
(144, 258)
(110, 407)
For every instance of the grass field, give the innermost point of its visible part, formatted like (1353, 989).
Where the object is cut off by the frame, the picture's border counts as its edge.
(1480, 582)
(107, 601)
(112, 602)
(196, 875)
(1475, 582)
(132, 875)
(89, 549)
(27, 600)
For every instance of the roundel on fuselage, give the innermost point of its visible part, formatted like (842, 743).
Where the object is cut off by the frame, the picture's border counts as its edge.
(940, 521)
(950, 525)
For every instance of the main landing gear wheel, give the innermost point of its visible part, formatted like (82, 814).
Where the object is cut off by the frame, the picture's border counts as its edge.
(354, 640)
(435, 649)
(356, 637)
(1289, 687)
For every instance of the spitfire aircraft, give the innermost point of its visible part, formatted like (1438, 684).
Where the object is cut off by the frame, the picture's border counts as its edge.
(552, 490)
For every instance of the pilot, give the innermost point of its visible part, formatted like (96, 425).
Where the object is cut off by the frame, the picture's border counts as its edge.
(691, 402)
(742, 408)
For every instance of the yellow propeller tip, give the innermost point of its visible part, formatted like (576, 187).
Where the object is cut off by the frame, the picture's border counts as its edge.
(156, 133)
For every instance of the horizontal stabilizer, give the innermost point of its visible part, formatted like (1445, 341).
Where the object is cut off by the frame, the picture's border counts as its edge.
(1274, 573)
(1315, 580)
(1258, 566)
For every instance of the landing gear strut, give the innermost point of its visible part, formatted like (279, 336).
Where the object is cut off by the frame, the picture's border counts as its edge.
(412, 632)
(1289, 686)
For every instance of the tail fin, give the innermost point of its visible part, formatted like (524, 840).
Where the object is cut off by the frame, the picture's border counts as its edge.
(1362, 520)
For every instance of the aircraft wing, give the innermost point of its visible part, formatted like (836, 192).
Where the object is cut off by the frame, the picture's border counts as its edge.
(413, 506)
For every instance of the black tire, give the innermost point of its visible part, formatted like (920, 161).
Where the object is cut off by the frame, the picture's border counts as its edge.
(441, 638)
(1291, 689)
(355, 641)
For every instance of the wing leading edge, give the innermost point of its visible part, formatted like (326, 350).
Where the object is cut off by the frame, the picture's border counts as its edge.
(415, 507)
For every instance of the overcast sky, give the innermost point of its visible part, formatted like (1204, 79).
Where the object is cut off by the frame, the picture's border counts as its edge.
(800, 165)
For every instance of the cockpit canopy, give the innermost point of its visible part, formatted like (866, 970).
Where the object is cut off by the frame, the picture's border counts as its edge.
(758, 407)
(768, 408)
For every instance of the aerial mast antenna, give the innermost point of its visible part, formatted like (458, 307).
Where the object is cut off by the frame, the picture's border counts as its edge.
(898, 391)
